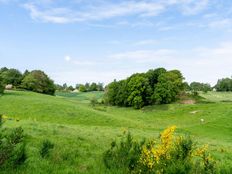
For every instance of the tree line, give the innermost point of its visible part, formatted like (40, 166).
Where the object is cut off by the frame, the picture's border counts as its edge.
(157, 86)
(35, 80)
(38, 81)
(87, 87)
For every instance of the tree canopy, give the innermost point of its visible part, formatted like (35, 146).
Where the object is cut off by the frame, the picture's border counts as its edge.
(197, 86)
(38, 81)
(224, 84)
(11, 76)
(156, 86)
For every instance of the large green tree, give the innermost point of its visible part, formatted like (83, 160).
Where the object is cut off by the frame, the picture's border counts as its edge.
(139, 90)
(11, 76)
(224, 84)
(38, 81)
(169, 85)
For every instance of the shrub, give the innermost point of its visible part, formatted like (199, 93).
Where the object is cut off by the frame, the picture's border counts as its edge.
(93, 101)
(171, 154)
(2, 87)
(124, 155)
(45, 148)
(12, 147)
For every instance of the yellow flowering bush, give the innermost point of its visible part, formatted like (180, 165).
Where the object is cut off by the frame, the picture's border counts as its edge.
(170, 154)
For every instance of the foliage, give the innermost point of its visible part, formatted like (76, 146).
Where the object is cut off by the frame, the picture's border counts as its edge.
(45, 148)
(224, 84)
(12, 147)
(142, 89)
(38, 81)
(93, 101)
(124, 155)
(11, 76)
(82, 88)
(171, 154)
(197, 86)
(169, 85)
(2, 87)
(81, 134)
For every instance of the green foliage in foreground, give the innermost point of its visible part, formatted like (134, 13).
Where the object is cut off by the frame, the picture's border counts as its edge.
(171, 154)
(81, 133)
(12, 147)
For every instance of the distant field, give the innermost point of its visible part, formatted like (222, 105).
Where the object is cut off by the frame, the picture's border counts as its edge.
(82, 133)
(217, 96)
(84, 97)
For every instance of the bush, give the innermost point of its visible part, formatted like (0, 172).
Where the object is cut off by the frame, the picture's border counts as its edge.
(45, 148)
(12, 147)
(171, 154)
(124, 155)
(93, 101)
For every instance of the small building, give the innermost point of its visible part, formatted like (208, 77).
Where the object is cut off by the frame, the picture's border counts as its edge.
(9, 87)
(76, 90)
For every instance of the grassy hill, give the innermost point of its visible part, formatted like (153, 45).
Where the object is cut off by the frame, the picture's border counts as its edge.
(81, 133)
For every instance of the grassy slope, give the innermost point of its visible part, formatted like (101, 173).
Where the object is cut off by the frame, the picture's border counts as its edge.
(82, 133)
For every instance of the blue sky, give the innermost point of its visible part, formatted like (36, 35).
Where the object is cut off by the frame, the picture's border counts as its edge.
(77, 41)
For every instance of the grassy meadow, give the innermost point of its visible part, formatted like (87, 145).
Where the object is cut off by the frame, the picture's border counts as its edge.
(81, 133)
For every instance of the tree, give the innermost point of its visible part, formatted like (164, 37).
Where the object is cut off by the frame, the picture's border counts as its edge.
(93, 87)
(38, 81)
(12, 76)
(100, 87)
(70, 88)
(224, 84)
(2, 87)
(139, 91)
(197, 86)
(87, 86)
(142, 89)
(153, 76)
(65, 86)
(169, 85)
(82, 88)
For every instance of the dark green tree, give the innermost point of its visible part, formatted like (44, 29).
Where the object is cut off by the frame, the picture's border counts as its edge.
(82, 88)
(38, 81)
(224, 84)
(87, 86)
(93, 87)
(12, 76)
(139, 90)
(169, 85)
(2, 87)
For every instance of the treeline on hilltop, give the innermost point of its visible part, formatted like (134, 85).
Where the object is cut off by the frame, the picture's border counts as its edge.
(157, 86)
(38, 81)
(87, 87)
(35, 80)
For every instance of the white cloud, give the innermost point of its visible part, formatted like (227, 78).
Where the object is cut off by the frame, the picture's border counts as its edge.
(200, 64)
(109, 10)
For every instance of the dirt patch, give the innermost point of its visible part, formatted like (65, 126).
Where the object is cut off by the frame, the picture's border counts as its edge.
(189, 102)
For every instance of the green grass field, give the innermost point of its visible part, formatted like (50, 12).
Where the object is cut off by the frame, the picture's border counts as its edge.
(82, 133)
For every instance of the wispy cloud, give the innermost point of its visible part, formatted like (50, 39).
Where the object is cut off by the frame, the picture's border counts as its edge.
(141, 9)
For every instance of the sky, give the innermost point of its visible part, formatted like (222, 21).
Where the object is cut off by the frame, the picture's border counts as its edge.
(78, 41)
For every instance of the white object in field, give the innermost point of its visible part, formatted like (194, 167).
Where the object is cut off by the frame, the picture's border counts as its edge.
(202, 120)
(9, 87)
